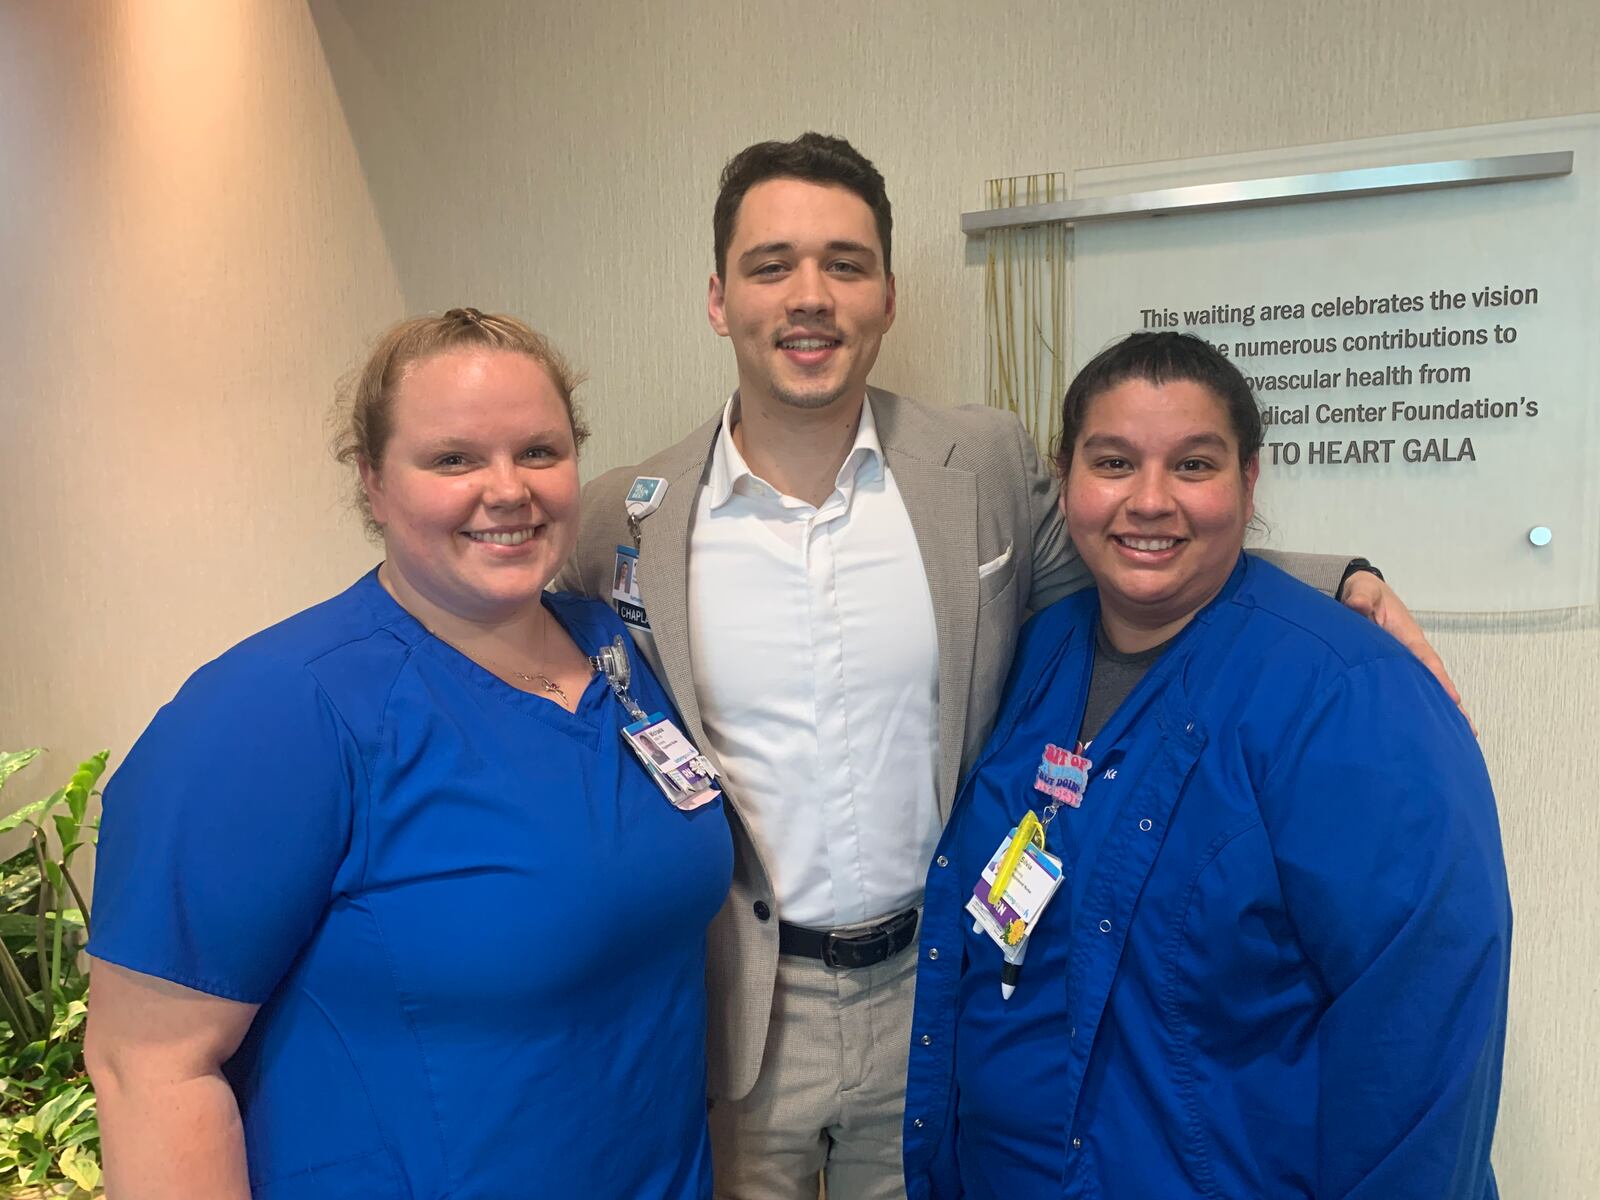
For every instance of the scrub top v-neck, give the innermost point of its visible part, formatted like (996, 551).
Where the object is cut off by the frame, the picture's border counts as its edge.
(475, 926)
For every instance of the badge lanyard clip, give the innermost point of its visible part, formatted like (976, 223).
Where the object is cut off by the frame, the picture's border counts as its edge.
(612, 662)
(643, 498)
(684, 775)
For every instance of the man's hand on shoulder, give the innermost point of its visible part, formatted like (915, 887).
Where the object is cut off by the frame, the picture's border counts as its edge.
(1372, 597)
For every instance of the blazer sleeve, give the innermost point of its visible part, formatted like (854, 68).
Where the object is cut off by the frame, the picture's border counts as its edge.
(595, 543)
(1387, 845)
(1057, 569)
(1321, 571)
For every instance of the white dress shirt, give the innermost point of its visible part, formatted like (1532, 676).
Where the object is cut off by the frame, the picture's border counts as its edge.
(816, 666)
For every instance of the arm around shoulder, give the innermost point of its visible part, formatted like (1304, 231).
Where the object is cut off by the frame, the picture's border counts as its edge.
(1321, 571)
(602, 517)
(1057, 569)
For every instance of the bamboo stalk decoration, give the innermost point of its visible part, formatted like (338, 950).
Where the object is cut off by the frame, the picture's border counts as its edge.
(1026, 308)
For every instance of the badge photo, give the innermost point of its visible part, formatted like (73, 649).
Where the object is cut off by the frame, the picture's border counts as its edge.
(684, 776)
(1010, 917)
(625, 588)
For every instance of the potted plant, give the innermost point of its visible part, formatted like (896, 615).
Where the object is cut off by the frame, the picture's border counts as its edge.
(49, 1138)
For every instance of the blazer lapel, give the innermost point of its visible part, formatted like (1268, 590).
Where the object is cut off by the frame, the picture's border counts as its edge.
(664, 566)
(942, 502)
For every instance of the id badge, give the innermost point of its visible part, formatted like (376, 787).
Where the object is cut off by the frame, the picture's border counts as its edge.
(625, 588)
(684, 775)
(1011, 919)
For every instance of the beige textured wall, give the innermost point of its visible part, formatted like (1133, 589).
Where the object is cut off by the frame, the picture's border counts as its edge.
(206, 207)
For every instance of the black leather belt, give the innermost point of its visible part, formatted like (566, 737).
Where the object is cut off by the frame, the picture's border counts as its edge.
(862, 948)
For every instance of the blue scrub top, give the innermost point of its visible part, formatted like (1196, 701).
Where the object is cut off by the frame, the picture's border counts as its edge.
(475, 926)
(1277, 965)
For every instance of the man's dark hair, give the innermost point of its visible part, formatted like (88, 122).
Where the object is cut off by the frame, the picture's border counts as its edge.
(1159, 358)
(813, 157)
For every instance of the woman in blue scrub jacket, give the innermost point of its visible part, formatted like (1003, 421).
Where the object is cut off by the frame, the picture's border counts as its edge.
(385, 906)
(1276, 963)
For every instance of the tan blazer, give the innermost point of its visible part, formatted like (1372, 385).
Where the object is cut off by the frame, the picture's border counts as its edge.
(983, 507)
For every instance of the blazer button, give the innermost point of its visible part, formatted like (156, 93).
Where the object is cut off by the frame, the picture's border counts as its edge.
(762, 911)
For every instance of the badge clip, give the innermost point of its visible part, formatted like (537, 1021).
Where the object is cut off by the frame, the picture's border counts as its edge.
(643, 498)
(684, 775)
(612, 662)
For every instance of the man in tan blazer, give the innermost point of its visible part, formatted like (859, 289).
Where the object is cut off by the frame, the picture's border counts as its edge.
(830, 579)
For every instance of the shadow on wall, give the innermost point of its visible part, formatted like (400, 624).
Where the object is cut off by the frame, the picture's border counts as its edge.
(478, 139)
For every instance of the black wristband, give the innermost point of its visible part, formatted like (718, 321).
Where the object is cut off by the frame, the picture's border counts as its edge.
(1354, 566)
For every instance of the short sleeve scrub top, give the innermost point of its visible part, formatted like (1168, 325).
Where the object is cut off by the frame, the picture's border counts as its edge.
(475, 926)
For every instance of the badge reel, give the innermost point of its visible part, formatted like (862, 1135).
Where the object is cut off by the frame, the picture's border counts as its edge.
(684, 775)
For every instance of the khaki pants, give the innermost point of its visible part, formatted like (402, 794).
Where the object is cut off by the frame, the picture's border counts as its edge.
(831, 1094)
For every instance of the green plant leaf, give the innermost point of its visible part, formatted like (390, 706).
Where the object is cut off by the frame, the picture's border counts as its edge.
(95, 765)
(81, 786)
(69, 1117)
(87, 1131)
(40, 1170)
(66, 829)
(26, 813)
(79, 1165)
(12, 761)
(56, 1107)
(69, 1020)
(16, 925)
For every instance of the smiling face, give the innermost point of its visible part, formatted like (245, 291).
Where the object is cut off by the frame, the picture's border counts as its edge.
(1157, 503)
(477, 491)
(804, 297)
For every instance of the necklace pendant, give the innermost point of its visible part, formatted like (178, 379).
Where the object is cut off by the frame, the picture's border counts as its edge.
(550, 685)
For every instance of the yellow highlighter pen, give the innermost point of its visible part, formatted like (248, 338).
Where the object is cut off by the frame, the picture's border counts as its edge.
(1028, 830)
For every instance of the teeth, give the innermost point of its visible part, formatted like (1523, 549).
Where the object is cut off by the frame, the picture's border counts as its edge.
(807, 343)
(502, 539)
(1149, 543)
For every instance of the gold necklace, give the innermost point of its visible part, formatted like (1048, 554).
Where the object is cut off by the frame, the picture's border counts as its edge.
(550, 686)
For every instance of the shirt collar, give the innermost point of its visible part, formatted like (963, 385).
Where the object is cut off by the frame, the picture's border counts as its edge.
(730, 472)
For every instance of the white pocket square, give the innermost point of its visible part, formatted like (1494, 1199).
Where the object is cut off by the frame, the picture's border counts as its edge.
(994, 564)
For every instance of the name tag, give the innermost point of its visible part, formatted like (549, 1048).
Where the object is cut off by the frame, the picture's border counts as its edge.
(683, 774)
(625, 589)
(1011, 918)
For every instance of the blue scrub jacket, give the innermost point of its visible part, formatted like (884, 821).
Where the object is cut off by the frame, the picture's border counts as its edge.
(1278, 964)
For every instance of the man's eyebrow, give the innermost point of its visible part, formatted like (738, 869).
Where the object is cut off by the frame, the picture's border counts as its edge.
(838, 246)
(767, 248)
(847, 247)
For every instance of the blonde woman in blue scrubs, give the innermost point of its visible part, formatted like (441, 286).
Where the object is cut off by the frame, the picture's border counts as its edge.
(385, 905)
